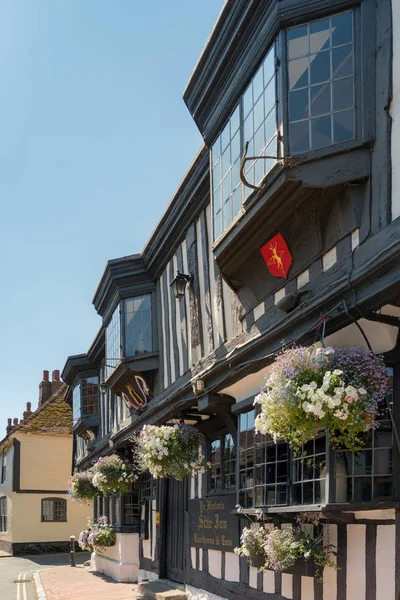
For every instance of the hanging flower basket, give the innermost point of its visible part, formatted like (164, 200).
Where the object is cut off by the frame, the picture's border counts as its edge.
(113, 475)
(97, 535)
(171, 451)
(252, 543)
(307, 390)
(81, 488)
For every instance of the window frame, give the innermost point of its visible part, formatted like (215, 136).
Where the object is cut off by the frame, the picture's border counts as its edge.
(63, 505)
(3, 514)
(3, 467)
(221, 435)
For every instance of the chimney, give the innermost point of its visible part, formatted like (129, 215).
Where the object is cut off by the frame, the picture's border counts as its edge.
(44, 388)
(55, 381)
(9, 426)
(28, 410)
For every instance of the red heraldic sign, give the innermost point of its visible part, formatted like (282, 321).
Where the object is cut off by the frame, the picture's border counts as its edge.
(277, 256)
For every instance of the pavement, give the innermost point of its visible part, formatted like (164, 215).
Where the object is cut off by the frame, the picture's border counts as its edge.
(81, 583)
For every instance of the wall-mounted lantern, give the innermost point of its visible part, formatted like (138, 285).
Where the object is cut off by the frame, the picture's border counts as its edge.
(179, 283)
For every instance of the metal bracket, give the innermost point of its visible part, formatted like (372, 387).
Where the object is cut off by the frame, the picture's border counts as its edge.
(246, 158)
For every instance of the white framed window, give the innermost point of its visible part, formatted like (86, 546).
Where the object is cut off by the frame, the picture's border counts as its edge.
(3, 514)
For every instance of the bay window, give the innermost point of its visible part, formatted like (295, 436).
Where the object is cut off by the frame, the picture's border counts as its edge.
(302, 98)
(270, 475)
(85, 397)
(129, 332)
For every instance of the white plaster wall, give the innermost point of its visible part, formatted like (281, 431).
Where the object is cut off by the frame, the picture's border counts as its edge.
(269, 582)
(330, 574)
(253, 577)
(385, 562)
(287, 585)
(193, 557)
(395, 111)
(120, 562)
(246, 387)
(307, 588)
(232, 567)
(215, 563)
(356, 561)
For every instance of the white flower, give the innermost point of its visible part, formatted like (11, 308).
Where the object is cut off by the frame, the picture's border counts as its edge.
(362, 391)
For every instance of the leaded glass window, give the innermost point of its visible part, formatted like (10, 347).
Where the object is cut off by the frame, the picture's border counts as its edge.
(254, 120)
(113, 342)
(366, 476)
(54, 509)
(309, 472)
(90, 395)
(138, 331)
(222, 456)
(321, 93)
(76, 402)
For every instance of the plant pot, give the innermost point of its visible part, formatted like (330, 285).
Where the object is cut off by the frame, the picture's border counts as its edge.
(257, 561)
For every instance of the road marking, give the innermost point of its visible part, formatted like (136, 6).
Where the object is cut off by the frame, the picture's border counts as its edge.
(21, 588)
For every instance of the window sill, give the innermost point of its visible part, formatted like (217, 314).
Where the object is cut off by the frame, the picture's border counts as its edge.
(343, 512)
(212, 493)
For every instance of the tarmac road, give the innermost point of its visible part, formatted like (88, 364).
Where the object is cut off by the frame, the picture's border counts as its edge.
(16, 573)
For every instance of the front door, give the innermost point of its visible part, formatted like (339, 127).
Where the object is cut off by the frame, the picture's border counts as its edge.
(177, 496)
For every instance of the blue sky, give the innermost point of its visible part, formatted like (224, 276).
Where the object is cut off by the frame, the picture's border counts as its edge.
(91, 116)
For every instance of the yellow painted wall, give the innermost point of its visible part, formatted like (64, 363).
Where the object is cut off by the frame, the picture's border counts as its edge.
(46, 461)
(45, 464)
(28, 527)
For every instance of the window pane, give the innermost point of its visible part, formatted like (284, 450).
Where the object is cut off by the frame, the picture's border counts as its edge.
(321, 132)
(298, 105)
(258, 84)
(297, 41)
(343, 94)
(299, 137)
(342, 29)
(235, 121)
(320, 67)
(319, 35)
(320, 100)
(383, 488)
(298, 73)
(342, 61)
(343, 126)
(362, 489)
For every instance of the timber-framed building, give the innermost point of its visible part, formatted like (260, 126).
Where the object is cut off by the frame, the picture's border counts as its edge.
(295, 100)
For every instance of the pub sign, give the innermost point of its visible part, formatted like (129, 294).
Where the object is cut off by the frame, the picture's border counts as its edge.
(211, 524)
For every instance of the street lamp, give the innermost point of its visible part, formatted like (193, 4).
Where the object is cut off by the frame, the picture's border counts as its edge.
(179, 283)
